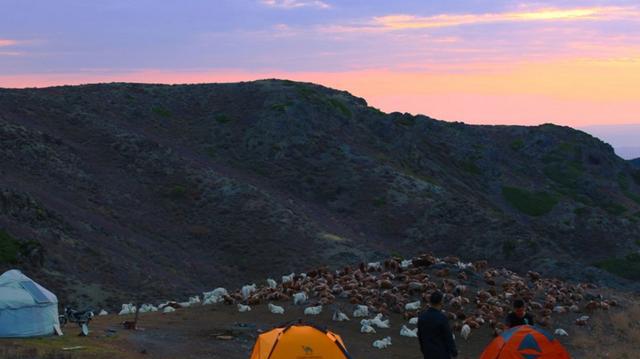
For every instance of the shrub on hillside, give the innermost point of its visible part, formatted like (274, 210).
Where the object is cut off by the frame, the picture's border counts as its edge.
(567, 175)
(627, 267)
(13, 251)
(471, 167)
(517, 144)
(531, 203)
(222, 118)
(340, 107)
(614, 208)
(9, 248)
(162, 112)
(177, 192)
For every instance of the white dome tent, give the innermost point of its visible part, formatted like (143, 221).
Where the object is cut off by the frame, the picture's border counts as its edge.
(26, 308)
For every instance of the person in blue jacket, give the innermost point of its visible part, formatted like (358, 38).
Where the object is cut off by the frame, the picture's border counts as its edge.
(434, 332)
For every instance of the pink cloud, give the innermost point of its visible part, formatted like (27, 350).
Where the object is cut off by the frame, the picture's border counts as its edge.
(292, 4)
(7, 42)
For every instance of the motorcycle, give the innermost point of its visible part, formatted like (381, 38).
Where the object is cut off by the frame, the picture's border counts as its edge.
(82, 318)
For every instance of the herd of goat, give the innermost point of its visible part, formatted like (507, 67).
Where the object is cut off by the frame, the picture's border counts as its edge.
(474, 295)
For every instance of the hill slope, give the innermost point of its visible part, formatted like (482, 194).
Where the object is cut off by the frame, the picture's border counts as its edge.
(186, 187)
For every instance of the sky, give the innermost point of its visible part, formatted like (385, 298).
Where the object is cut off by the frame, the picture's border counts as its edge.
(569, 62)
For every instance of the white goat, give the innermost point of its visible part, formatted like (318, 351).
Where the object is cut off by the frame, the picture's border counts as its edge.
(382, 343)
(406, 332)
(146, 308)
(378, 322)
(214, 297)
(247, 290)
(288, 278)
(374, 266)
(271, 283)
(413, 305)
(465, 331)
(300, 298)
(127, 309)
(361, 311)
(275, 309)
(194, 300)
(313, 310)
(367, 329)
(185, 304)
(338, 316)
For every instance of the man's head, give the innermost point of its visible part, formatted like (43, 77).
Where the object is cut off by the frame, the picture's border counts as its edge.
(435, 299)
(519, 307)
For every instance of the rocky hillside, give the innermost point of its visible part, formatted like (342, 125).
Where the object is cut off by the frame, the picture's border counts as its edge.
(113, 189)
(635, 162)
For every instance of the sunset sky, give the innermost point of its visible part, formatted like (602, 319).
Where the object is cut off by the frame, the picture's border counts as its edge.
(569, 62)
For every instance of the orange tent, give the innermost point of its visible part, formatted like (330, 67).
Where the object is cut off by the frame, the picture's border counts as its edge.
(299, 341)
(525, 342)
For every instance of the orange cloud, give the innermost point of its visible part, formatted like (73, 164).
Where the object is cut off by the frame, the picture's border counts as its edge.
(407, 22)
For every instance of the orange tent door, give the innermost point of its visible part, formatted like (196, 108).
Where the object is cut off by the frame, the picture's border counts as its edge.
(264, 344)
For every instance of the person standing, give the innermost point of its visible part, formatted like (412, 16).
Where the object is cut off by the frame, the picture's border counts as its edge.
(519, 316)
(434, 332)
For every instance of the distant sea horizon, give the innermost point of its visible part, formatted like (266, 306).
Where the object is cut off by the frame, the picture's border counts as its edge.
(625, 139)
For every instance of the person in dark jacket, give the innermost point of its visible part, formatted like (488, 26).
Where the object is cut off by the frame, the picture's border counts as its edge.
(519, 316)
(434, 332)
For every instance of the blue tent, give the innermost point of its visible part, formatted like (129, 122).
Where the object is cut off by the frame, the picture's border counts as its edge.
(26, 308)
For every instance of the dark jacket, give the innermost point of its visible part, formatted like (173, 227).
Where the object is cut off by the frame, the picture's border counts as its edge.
(434, 334)
(513, 320)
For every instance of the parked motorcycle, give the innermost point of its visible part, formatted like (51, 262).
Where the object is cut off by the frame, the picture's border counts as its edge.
(82, 318)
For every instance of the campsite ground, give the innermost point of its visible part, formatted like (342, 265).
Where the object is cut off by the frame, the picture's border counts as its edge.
(194, 332)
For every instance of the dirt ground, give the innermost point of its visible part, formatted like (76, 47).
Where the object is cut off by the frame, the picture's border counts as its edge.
(192, 333)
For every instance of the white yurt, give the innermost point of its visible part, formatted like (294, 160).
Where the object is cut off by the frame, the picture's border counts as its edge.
(26, 308)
